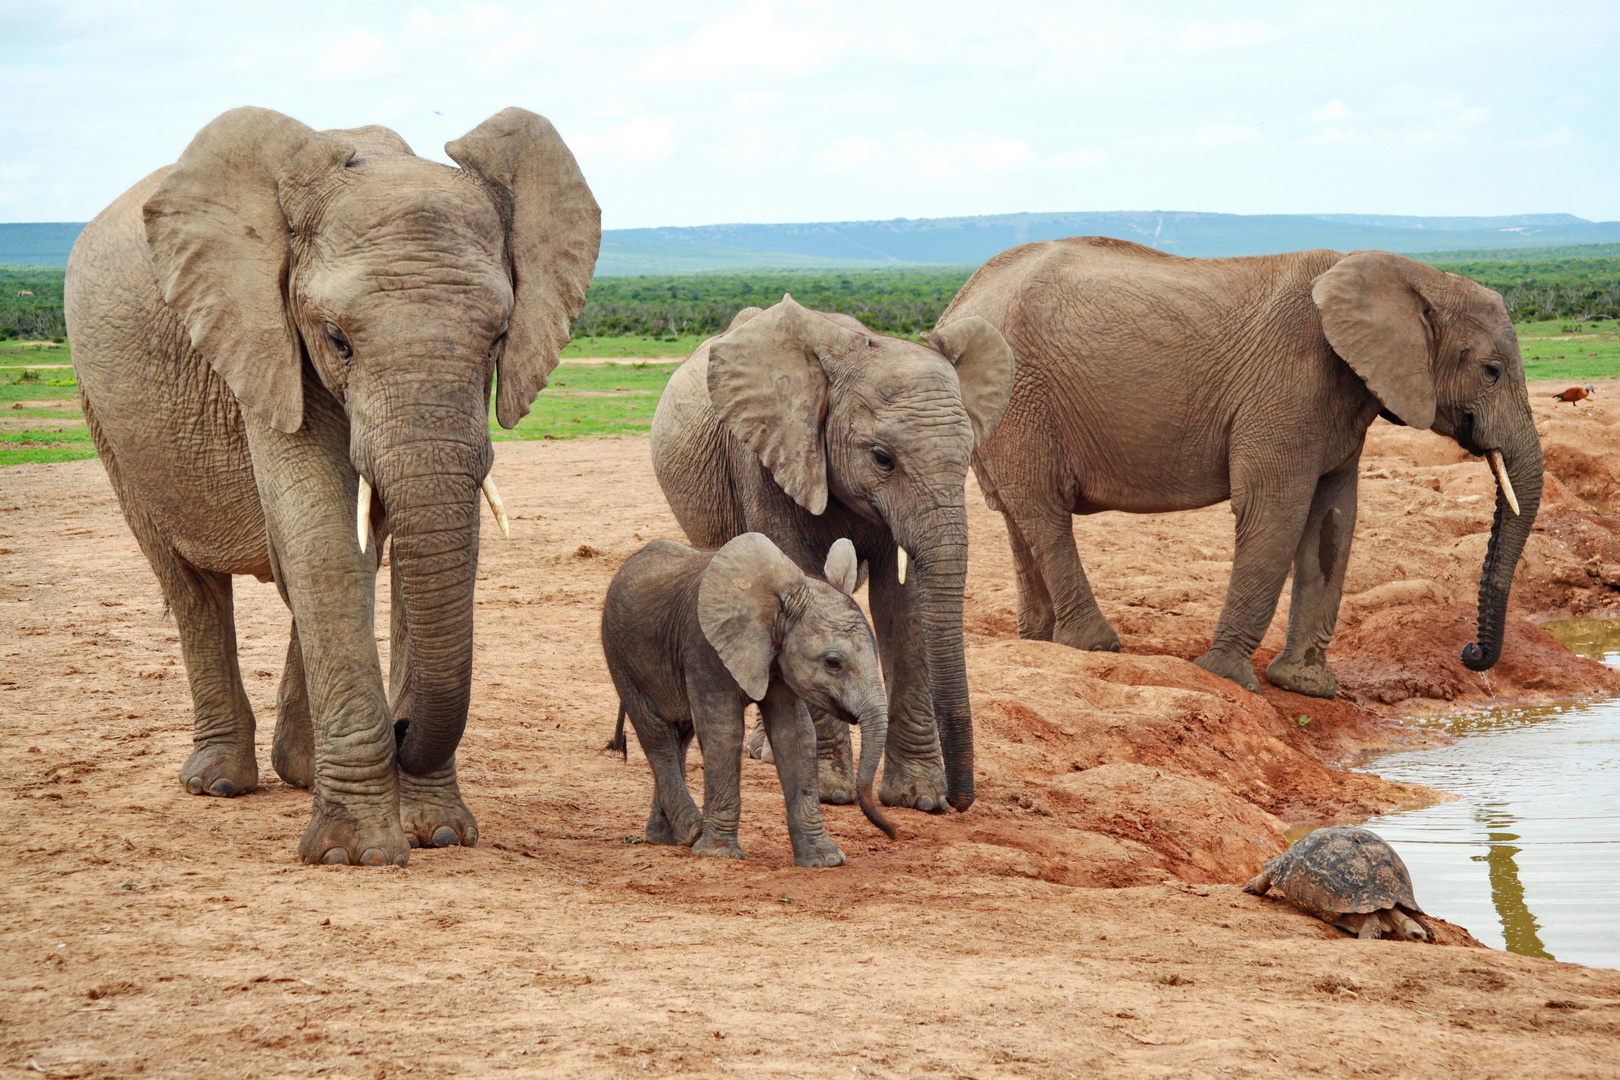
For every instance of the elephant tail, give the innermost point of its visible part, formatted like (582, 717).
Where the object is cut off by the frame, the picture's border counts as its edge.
(617, 743)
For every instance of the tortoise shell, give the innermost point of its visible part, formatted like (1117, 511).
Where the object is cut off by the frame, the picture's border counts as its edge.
(1343, 869)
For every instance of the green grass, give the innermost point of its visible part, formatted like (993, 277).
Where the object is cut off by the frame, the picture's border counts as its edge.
(586, 399)
(1560, 349)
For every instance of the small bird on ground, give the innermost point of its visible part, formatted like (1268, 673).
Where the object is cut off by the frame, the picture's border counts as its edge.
(1574, 394)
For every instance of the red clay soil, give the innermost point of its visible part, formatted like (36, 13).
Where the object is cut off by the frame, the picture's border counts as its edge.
(1083, 918)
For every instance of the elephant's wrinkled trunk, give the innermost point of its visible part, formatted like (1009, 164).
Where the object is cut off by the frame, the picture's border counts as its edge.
(874, 735)
(430, 490)
(1509, 531)
(939, 559)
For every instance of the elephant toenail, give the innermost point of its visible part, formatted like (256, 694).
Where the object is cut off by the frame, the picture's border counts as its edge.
(335, 857)
(445, 836)
(373, 857)
(413, 841)
(401, 859)
(470, 839)
(1114, 647)
(924, 803)
(194, 785)
(222, 787)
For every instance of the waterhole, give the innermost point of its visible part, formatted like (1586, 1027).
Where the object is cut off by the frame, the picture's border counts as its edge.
(1528, 858)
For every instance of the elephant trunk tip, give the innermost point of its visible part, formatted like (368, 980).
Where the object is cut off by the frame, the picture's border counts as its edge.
(869, 807)
(960, 800)
(1475, 658)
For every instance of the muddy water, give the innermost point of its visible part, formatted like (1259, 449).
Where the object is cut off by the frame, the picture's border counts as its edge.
(1528, 858)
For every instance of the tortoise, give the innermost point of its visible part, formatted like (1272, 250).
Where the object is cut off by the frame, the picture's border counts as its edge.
(1349, 877)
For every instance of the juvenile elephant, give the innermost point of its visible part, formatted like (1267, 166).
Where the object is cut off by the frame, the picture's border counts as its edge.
(1148, 382)
(285, 344)
(692, 637)
(808, 427)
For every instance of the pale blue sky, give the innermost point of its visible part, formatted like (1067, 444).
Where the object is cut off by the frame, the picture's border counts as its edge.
(686, 113)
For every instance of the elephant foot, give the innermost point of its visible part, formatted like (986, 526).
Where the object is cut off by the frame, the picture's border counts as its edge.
(220, 769)
(1303, 675)
(338, 836)
(823, 853)
(758, 746)
(431, 811)
(1093, 636)
(1238, 669)
(660, 830)
(292, 754)
(835, 778)
(718, 847)
(917, 784)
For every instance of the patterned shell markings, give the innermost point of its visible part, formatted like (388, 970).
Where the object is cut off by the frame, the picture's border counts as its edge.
(1343, 869)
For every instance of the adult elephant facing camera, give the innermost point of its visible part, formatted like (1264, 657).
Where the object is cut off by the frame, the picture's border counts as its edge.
(807, 427)
(1148, 383)
(285, 344)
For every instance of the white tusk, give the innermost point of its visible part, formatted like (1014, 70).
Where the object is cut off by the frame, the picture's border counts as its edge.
(902, 566)
(362, 515)
(496, 506)
(1500, 469)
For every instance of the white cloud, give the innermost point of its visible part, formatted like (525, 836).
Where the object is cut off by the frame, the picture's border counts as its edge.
(1215, 136)
(1334, 112)
(1209, 37)
(916, 158)
(356, 58)
(762, 39)
(753, 102)
(388, 110)
(641, 141)
(1075, 160)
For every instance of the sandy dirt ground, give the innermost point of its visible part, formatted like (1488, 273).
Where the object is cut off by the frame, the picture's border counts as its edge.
(1084, 918)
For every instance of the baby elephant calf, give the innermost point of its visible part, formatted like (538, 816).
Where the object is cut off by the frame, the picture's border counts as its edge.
(692, 636)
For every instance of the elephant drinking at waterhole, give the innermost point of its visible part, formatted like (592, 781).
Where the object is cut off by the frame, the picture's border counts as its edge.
(285, 345)
(1149, 382)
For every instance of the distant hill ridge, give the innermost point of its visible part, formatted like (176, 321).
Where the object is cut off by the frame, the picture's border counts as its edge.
(960, 241)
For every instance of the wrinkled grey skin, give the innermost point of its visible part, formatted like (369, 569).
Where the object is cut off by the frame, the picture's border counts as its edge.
(1148, 382)
(808, 427)
(257, 327)
(691, 637)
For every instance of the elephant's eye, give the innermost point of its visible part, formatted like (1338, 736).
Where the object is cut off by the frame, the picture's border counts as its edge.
(1492, 371)
(339, 342)
(884, 461)
(833, 662)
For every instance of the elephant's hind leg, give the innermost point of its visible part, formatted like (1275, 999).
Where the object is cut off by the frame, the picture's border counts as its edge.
(222, 760)
(1053, 562)
(1319, 568)
(292, 753)
(674, 818)
(431, 810)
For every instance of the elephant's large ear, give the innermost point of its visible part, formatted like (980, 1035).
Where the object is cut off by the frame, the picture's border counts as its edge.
(219, 240)
(556, 229)
(842, 569)
(767, 382)
(984, 366)
(739, 598)
(1377, 318)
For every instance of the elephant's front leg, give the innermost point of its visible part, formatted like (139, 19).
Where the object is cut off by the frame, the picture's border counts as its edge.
(1319, 567)
(1271, 512)
(913, 765)
(308, 489)
(1055, 601)
(793, 739)
(717, 715)
(835, 759)
(430, 806)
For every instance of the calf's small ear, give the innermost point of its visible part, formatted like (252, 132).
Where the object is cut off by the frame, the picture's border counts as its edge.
(843, 568)
(739, 598)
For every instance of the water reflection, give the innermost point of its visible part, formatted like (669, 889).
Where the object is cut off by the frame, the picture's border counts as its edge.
(1529, 857)
(1519, 926)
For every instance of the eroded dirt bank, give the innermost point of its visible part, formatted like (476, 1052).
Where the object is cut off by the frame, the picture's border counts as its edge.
(1083, 919)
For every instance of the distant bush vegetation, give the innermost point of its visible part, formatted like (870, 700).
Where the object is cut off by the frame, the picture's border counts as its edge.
(31, 304)
(899, 301)
(1550, 288)
(888, 301)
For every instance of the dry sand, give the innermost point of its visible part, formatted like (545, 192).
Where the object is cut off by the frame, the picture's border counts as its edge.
(1083, 919)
